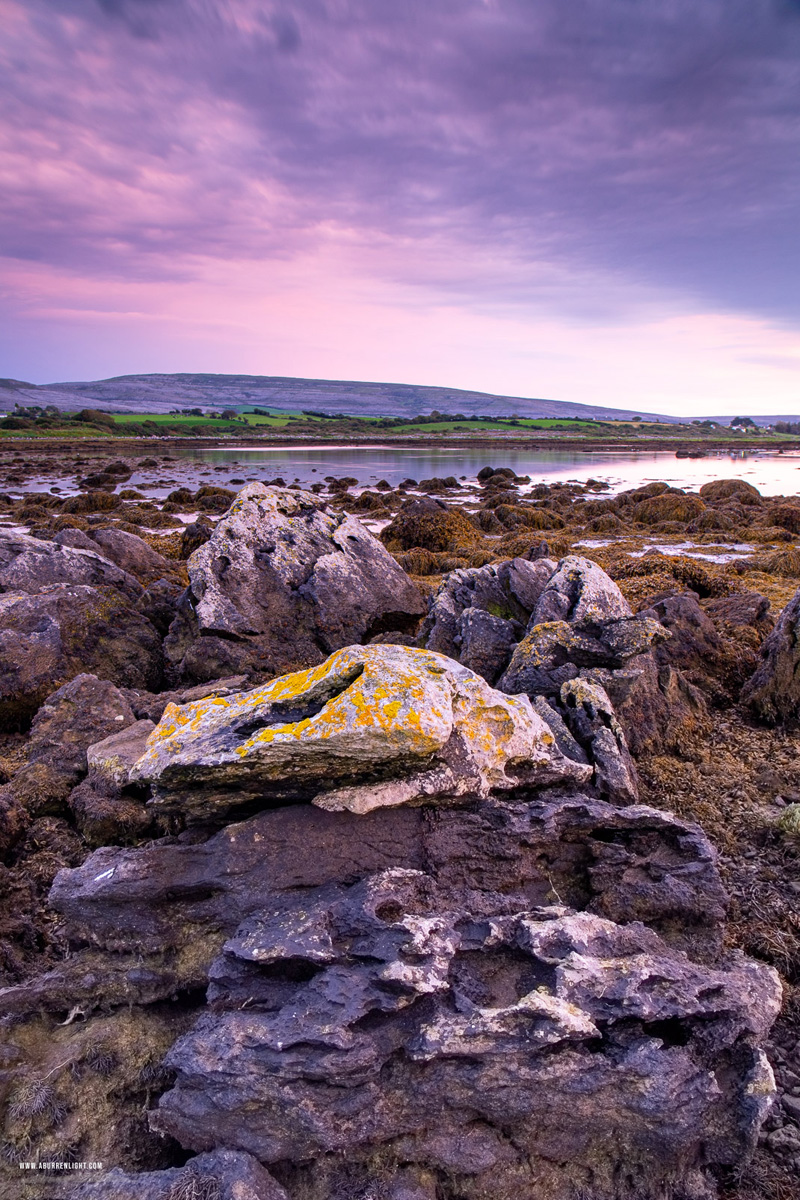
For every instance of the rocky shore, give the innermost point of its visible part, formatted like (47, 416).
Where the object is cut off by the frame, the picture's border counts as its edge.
(418, 843)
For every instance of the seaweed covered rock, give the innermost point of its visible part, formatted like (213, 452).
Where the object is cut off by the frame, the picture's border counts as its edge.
(28, 564)
(773, 692)
(48, 638)
(70, 720)
(671, 506)
(430, 525)
(333, 734)
(281, 583)
(730, 489)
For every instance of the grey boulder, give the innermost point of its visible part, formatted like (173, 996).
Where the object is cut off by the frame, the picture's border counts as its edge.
(515, 1047)
(133, 554)
(281, 583)
(28, 564)
(478, 614)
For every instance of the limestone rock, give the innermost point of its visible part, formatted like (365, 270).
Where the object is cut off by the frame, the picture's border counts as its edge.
(582, 629)
(28, 564)
(413, 1021)
(773, 692)
(114, 756)
(152, 903)
(132, 554)
(48, 638)
(580, 592)
(221, 1175)
(374, 726)
(478, 614)
(591, 718)
(282, 582)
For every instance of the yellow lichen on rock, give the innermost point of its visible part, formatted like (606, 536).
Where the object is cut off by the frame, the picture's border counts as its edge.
(372, 726)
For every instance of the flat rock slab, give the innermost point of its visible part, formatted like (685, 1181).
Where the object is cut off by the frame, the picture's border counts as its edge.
(374, 726)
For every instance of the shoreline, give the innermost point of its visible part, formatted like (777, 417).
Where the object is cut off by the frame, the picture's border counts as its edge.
(629, 445)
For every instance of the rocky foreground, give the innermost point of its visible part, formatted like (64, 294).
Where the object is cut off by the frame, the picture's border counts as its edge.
(331, 878)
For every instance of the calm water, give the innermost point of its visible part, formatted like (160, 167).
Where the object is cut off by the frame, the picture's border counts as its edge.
(772, 474)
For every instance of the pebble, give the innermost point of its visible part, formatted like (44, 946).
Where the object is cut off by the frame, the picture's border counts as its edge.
(785, 1140)
(792, 1106)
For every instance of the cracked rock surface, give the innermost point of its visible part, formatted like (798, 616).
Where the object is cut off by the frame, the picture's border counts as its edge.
(283, 581)
(374, 726)
(396, 934)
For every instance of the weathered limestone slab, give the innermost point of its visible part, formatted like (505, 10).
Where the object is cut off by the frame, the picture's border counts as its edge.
(374, 726)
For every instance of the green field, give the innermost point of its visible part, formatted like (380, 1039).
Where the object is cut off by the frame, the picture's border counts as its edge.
(49, 423)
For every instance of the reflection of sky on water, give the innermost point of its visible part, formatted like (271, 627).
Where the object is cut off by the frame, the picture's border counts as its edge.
(772, 474)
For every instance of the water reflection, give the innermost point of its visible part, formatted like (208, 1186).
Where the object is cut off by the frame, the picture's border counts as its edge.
(772, 474)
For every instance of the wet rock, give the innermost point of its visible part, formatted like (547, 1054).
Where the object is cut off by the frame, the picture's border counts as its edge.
(374, 726)
(413, 1020)
(28, 564)
(283, 581)
(694, 639)
(48, 638)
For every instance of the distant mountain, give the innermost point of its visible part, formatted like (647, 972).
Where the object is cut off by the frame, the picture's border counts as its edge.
(161, 393)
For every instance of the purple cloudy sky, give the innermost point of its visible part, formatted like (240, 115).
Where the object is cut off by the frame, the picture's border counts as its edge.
(590, 200)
